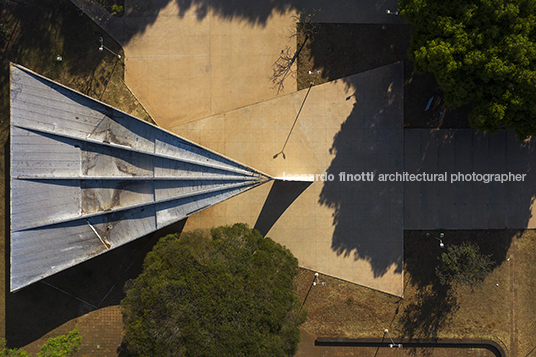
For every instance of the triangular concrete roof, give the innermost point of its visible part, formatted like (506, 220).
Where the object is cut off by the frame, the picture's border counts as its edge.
(86, 177)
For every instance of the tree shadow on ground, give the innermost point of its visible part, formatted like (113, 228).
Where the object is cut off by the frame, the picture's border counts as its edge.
(341, 50)
(97, 283)
(142, 14)
(433, 309)
(434, 306)
(367, 214)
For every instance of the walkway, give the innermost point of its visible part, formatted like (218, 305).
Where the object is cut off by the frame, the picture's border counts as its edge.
(189, 60)
(475, 204)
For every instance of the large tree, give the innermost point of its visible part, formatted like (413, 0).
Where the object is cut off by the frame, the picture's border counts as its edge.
(463, 265)
(227, 292)
(481, 52)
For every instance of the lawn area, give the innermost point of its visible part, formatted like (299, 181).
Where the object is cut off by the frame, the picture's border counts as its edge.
(503, 313)
(37, 32)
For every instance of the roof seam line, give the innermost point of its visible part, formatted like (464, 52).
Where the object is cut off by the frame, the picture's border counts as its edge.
(127, 148)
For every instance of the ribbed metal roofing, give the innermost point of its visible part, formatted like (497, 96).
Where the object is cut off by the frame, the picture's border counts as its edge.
(86, 178)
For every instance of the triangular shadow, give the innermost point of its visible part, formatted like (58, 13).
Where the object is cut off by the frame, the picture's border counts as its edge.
(281, 196)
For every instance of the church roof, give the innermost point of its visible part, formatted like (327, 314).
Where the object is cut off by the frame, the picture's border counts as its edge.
(86, 177)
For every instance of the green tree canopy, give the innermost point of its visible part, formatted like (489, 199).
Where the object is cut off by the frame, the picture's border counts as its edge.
(463, 264)
(227, 292)
(481, 52)
(61, 346)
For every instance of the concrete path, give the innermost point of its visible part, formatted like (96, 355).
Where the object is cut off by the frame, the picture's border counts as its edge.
(352, 230)
(470, 204)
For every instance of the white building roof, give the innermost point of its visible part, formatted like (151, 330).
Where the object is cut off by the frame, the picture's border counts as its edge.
(86, 177)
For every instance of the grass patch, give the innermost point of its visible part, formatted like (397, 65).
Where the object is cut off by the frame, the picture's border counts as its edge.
(427, 309)
(525, 270)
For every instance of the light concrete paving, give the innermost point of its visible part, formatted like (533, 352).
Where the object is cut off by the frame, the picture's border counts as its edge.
(350, 230)
(190, 60)
(184, 68)
(469, 204)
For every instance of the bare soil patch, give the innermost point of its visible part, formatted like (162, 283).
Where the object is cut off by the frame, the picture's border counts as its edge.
(427, 310)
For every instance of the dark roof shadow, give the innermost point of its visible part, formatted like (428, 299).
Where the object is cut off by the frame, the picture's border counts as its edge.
(281, 196)
(94, 284)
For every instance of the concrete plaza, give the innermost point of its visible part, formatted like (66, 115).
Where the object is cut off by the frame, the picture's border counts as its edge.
(202, 69)
(337, 225)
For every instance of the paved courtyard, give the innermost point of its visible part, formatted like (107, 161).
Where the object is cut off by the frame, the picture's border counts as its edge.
(202, 69)
(475, 204)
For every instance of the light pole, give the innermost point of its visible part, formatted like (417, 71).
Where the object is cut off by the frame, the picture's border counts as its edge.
(102, 47)
(440, 239)
(317, 282)
(314, 283)
(392, 344)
